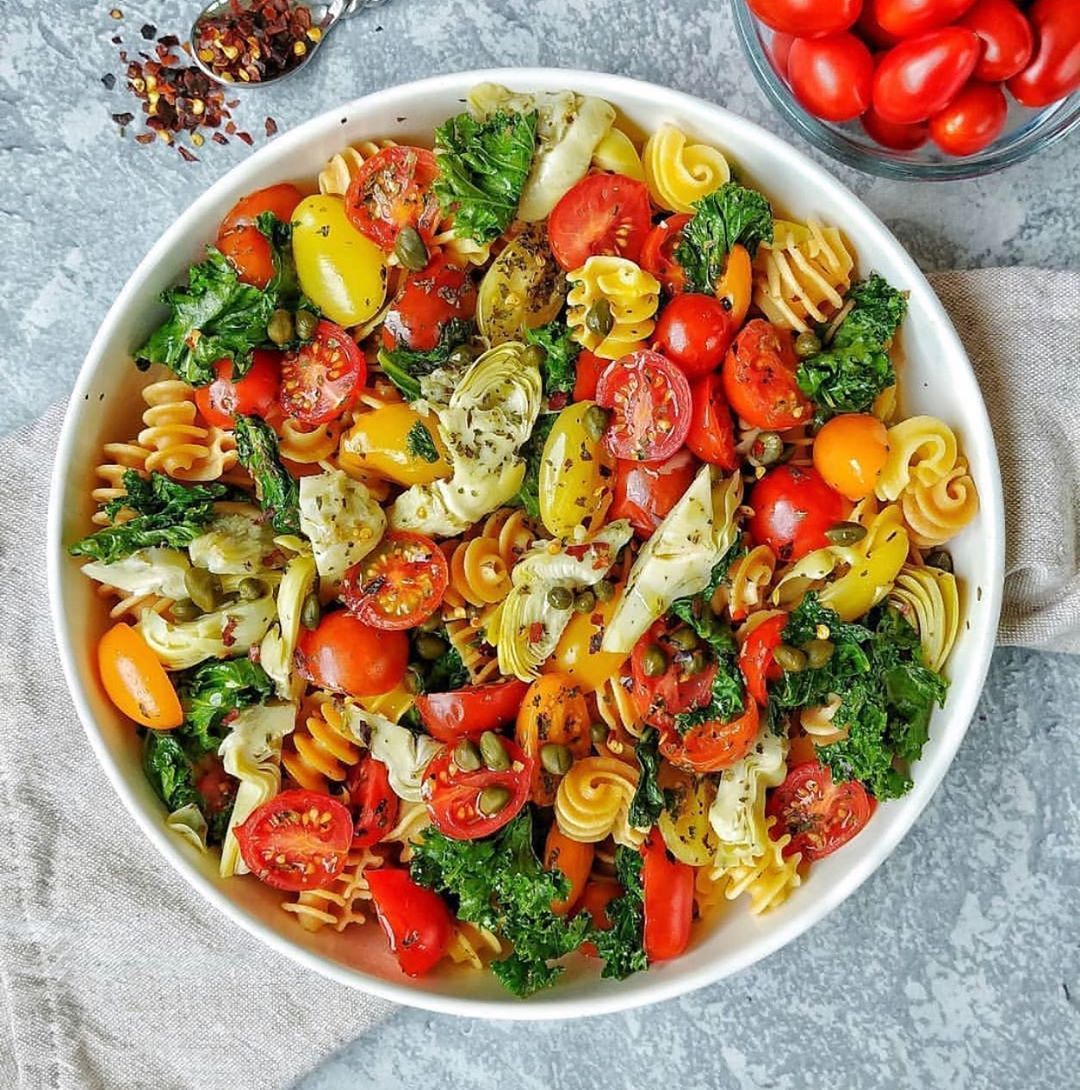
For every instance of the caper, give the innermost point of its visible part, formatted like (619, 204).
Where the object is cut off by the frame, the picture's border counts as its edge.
(818, 652)
(766, 449)
(311, 611)
(560, 597)
(410, 249)
(584, 601)
(280, 327)
(939, 558)
(203, 587)
(598, 732)
(684, 638)
(494, 752)
(604, 590)
(790, 658)
(463, 355)
(595, 422)
(654, 661)
(556, 758)
(185, 610)
(493, 800)
(846, 533)
(430, 647)
(306, 324)
(467, 755)
(534, 356)
(698, 661)
(251, 588)
(807, 344)
(599, 319)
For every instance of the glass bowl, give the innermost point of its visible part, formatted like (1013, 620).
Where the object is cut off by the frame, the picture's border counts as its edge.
(1026, 131)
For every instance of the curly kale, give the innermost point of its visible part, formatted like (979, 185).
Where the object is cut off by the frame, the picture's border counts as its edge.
(404, 367)
(622, 947)
(560, 356)
(211, 690)
(732, 215)
(648, 802)
(275, 488)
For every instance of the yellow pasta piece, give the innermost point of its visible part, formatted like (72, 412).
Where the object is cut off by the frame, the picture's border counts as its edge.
(616, 152)
(593, 801)
(340, 169)
(176, 443)
(307, 445)
(679, 173)
(936, 512)
(632, 294)
(921, 448)
(116, 460)
(768, 880)
(928, 598)
(341, 903)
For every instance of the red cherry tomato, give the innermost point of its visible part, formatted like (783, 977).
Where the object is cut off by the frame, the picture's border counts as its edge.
(793, 507)
(807, 18)
(392, 190)
(778, 49)
(658, 252)
(416, 921)
(712, 429)
(889, 135)
(872, 32)
(426, 302)
(240, 239)
(831, 77)
(467, 713)
(659, 698)
(253, 395)
(908, 18)
(298, 840)
(601, 214)
(972, 121)
(918, 77)
(319, 380)
(667, 885)
(646, 491)
(1007, 37)
(759, 377)
(649, 399)
(694, 331)
(374, 804)
(819, 815)
(756, 656)
(714, 745)
(1054, 72)
(587, 374)
(452, 794)
(398, 585)
(344, 654)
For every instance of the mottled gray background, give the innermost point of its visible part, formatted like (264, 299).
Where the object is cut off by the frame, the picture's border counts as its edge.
(958, 964)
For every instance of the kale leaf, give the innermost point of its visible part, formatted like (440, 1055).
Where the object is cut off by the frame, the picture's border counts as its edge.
(560, 356)
(622, 947)
(167, 514)
(483, 166)
(528, 495)
(210, 691)
(404, 367)
(420, 443)
(275, 488)
(648, 802)
(169, 770)
(731, 215)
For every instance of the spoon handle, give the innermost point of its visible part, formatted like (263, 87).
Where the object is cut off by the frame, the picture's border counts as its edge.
(354, 7)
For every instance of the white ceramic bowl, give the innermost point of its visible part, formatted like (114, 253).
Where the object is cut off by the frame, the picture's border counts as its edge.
(936, 377)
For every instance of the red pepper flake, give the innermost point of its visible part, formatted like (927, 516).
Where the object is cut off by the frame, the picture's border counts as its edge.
(123, 119)
(246, 137)
(536, 632)
(189, 156)
(228, 632)
(256, 42)
(148, 31)
(169, 41)
(271, 127)
(145, 138)
(116, 40)
(220, 138)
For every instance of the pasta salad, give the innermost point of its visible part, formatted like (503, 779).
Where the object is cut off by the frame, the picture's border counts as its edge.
(523, 546)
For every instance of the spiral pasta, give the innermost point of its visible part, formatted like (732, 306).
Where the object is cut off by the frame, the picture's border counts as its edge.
(749, 578)
(480, 566)
(818, 722)
(616, 152)
(930, 601)
(632, 294)
(472, 945)
(801, 277)
(679, 173)
(921, 448)
(939, 511)
(321, 748)
(336, 177)
(307, 445)
(468, 636)
(343, 902)
(175, 443)
(413, 819)
(709, 893)
(618, 710)
(769, 879)
(130, 607)
(116, 460)
(593, 801)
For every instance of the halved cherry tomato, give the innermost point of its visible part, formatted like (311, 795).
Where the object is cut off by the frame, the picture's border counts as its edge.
(712, 430)
(907, 18)
(715, 745)
(668, 887)
(1054, 71)
(374, 804)
(399, 584)
(253, 395)
(819, 815)
(660, 697)
(735, 287)
(468, 712)
(793, 507)
(415, 920)
(1007, 37)
(320, 379)
(599, 893)
(588, 370)
(759, 377)
(650, 402)
(348, 656)
(453, 795)
(973, 120)
(890, 135)
(601, 214)
(659, 249)
(694, 332)
(298, 840)
(756, 662)
(240, 239)
(426, 302)
(850, 452)
(918, 77)
(832, 77)
(807, 18)
(574, 860)
(391, 190)
(646, 491)
(135, 680)
(553, 712)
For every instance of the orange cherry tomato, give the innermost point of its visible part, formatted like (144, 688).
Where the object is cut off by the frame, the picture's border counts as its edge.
(240, 239)
(599, 893)
(553, 712)
(734, 288)
(849, 453)
(135, 680)
(574, 860)
(759, 377)
(254, 394)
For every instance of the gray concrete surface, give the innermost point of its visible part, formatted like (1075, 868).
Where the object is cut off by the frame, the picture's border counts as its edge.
(958, 964)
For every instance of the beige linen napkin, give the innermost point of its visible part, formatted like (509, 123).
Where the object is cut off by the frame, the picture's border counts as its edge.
(116, 975)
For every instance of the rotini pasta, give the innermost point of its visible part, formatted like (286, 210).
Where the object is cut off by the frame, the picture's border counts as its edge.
(930, 600)
(593, 800)
(413, 819)
(749, 579)
(342, 903)
(468, 635)
(175, 442)
(116, 460)
(939, 511)
(307, 445)
(130, 607)
(679, 173)
(480, 566)
(322, 748)
(632, 294)
(922, 448)
(818, 723)
(336, 177)
(769, 879)
(473, 946)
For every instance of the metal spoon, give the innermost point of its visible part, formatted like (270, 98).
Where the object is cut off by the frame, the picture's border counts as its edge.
(323, 16)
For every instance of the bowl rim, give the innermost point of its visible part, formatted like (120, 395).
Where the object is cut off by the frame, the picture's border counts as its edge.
(659, 987)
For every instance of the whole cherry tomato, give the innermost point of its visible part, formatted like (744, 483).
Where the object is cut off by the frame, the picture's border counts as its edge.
(254, 394)
(832, 77)
(778, 49)
(1055, 70)
(712, 429)
(1007, 37)
(646, 491)
(890, 135)
(348, 656)
(694, 332)
(920, 76)
(871, 31)
(240, 239)
(807, 18)
(972, 121)
(907, 18)
(426, 302)
(793, 507)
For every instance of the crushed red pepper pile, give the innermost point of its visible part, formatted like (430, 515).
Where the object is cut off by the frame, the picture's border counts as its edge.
(257, 41)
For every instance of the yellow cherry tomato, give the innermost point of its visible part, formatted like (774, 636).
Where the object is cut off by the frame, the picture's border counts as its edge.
(340, 270)
(576, 472)
(684, 823)
(389, 441)
(523, 289)
(578, 653)
(135, 680)
(849, 453)
(736, 283)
